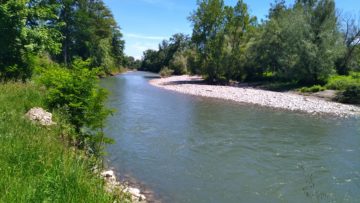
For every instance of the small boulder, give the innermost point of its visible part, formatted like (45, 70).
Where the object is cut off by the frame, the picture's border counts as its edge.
(136, 194)
(109, 175)
(40, 115)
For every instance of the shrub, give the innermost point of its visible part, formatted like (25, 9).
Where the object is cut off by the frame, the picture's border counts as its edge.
(351, 94)
(179, 64)
(76, 91)
(35, 164)
(315, 88)
(166, 72)
(338, 82)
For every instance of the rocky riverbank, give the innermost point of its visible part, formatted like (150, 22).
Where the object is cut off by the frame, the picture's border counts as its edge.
(113, 185)
(194, 85)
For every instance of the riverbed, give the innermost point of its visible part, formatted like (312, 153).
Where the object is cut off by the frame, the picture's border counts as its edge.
(193, 149)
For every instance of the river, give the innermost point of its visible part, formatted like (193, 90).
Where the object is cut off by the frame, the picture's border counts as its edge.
(194, 149)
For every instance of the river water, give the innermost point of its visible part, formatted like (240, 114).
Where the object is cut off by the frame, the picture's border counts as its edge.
(194, 149)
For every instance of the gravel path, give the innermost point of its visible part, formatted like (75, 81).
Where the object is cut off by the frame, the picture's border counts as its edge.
(193, 85)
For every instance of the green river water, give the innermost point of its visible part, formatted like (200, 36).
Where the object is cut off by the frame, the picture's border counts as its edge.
(194, 149)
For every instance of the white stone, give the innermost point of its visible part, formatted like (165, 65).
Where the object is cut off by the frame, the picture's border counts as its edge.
(134, 191)
(108, 175)
(40, 115)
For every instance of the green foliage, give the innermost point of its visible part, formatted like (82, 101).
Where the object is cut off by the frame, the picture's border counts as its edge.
(150, 61)
(170, 54)
(240, 28)
(179, 63)
(25, 33)
(166, 72)
(193, 61)
(132, 63)
(64, 29)
(208, 36)
(76, 90)
(301, 43)
(351, 94)
(90, 31)
(35, 164)
(312, 89)
(341, 82)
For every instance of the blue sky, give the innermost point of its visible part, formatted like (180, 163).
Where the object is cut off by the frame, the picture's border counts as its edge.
(145, 23)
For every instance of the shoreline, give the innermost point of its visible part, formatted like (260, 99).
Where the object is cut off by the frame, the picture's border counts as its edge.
(194, 85)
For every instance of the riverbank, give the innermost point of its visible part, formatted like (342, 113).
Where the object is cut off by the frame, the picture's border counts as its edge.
(36, 162)
(194, 85)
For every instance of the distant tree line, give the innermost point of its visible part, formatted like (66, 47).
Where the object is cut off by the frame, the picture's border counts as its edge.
(61, 30)
(131, 63)
(304, 43)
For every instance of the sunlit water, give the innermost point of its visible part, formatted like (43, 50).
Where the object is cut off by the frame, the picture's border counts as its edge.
(194, 149)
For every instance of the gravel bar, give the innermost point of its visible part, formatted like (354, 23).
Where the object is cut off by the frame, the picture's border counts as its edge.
(193, 85)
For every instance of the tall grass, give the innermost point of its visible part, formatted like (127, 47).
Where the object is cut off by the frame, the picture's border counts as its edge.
(35, 165)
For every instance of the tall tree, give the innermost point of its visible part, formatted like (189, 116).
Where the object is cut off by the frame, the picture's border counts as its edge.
(327, 40)
(239, 29)
(90, 31)
(208, 36)
(25, 32)
(302, 43)
(351, 35)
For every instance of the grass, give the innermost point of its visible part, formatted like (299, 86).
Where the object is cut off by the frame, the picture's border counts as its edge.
(35, 164)
(341, 82)
(312, 89)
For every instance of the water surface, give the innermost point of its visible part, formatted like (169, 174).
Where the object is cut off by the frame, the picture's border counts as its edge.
(194, 149)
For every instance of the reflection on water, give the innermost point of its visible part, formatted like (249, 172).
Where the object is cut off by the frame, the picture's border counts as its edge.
(193, 149)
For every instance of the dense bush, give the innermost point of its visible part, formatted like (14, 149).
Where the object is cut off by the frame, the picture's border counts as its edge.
(179, 63)
(351, 94)
(341, 82)
(315, 88)
(76, 91)
(166, 72)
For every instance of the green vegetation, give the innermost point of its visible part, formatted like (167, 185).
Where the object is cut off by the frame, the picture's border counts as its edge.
(170, 54)
(305, 44)
(315, 88)
(351, 94)
(76, 92)
(166, 72)
(132, 63)
(36, 164)
(59, 30)
(57, 49)
(341, 82)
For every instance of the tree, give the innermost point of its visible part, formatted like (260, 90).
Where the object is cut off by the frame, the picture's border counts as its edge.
(276, 9)
(239, 29)
(327, 39)
(150, 61)
(90, 31)
(351, 35)
(25, 33)
(301, 43)
(208, 36)
(168, 55)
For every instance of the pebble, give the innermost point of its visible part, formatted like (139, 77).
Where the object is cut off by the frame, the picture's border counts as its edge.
(288, 101)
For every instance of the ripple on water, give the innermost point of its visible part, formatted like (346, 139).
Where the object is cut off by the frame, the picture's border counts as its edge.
(191, 149)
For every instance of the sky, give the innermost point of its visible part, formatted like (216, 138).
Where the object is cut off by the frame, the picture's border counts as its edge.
(145, 23)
